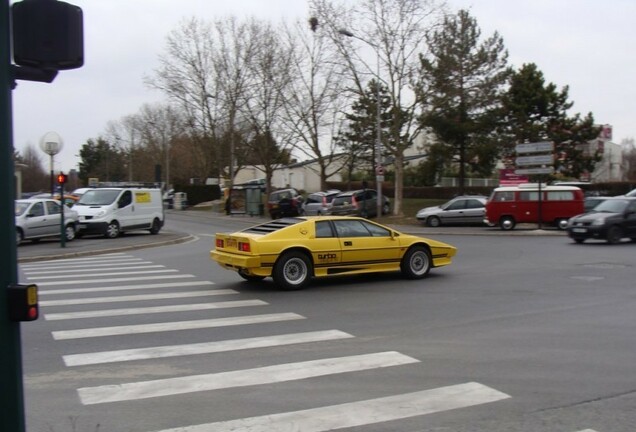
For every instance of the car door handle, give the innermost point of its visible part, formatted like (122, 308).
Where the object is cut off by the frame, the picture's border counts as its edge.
(348, 243)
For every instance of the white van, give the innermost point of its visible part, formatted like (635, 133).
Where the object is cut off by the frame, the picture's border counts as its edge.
(111, 211)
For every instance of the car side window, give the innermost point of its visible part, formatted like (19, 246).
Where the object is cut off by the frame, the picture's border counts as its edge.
(457, 205)
(52, 208)
(351, 228)
(37, 209)
(473, 203)
(126, 199)
(376, 231)
(323, 229)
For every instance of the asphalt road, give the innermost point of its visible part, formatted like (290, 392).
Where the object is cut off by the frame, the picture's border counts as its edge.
(524, 332)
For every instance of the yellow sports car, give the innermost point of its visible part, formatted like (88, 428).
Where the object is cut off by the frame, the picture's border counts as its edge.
(293, 250)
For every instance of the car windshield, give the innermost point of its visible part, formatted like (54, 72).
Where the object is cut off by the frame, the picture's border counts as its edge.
(98, 197)
(612, 206)
(20, 208)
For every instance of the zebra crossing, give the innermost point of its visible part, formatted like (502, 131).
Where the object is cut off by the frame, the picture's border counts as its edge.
(145, 282)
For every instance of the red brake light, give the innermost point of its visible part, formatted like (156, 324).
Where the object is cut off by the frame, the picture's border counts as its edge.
(353, 201)
(219, 243)
(244, 247)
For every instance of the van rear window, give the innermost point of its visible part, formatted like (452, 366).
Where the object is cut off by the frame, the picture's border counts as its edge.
(560, 196)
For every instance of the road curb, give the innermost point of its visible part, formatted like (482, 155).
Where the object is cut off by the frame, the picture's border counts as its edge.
(185, 238)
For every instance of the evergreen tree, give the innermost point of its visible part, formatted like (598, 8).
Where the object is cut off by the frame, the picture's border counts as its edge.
(534, 111)
(100, 159)
(463, 80)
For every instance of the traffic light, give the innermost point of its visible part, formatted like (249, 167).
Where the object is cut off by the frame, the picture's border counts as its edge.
(61, 178)
(23, 302)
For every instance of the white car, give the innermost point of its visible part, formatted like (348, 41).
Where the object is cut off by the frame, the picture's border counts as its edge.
(37, 218)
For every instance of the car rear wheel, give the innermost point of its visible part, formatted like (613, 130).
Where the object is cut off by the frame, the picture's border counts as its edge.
(292, 271)
(156, 226)
(112, 230)
(562, 223)
(416, 263)
(433, 221)
(507, 223)
(614, 234)
(579, 240)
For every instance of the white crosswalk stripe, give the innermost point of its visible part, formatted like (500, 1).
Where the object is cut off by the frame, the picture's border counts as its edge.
(110, 280)
(151, 310)
(67, 270)
(174, 326)
(122, 287)
(241, 378)
(200, 348)
(37, 278)
(360, 413)
(139, 297)
(54, 268)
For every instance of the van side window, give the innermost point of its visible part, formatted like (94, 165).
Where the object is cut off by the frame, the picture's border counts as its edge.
(504, 196)
(528, 196)
(125, 200)
(560, 196)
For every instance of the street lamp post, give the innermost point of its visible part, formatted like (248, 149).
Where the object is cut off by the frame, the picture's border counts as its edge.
(51, 143)
(379, 169)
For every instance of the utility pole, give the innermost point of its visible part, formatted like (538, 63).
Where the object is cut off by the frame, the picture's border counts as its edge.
(29, 36)
(11, 395)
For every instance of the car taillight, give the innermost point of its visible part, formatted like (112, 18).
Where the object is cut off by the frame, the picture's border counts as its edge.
(244, 247)
(219, 243)
(353, 201)
(324, 201)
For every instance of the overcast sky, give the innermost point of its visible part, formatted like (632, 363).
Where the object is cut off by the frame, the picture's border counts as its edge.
(587, 45)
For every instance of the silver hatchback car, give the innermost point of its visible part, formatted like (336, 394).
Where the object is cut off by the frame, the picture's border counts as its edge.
(319, 203)
(40, 218)
(466, 209)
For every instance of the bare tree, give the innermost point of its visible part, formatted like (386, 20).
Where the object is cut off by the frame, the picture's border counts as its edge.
(126, 134)
(314, 99)
(187, 75)
(394, 33)
(263, 102)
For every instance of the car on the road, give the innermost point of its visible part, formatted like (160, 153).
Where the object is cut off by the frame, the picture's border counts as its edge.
(294, 250)
(631, 193)
(612, 220)
(37, 218)
(465, 209)
(362, 202)
(284, 202)
(319, 203)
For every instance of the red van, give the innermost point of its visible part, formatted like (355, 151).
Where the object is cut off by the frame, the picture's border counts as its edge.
(508, 206)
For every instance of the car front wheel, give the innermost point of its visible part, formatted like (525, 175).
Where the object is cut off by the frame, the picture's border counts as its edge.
(19, 237)
(507, 223)
(614, 235)
(416, 263)
(433, 221)
(292, 271)
(69, 232)
(112, 230)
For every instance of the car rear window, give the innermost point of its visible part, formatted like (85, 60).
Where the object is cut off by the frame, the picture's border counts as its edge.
(275, 225)
(341, 199)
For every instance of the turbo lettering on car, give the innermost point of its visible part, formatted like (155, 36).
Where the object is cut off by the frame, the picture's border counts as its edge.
(327, 256)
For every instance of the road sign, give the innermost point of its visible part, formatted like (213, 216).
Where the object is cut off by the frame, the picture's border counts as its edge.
(535, 160)
(527, 171)
(538, 147)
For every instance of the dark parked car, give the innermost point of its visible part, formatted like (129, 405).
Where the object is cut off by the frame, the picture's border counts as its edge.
(591, 202)
(460, 210)
(363, 202)
(284, 202)
(319, 203)
(611, 220)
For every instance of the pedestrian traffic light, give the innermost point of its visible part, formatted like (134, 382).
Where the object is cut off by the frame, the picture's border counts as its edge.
(61, 178)
(23, 302)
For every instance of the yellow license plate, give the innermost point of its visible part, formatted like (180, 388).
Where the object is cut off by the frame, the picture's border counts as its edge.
(231, 243)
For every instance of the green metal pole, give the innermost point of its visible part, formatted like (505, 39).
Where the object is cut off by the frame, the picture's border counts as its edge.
(11, 390)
